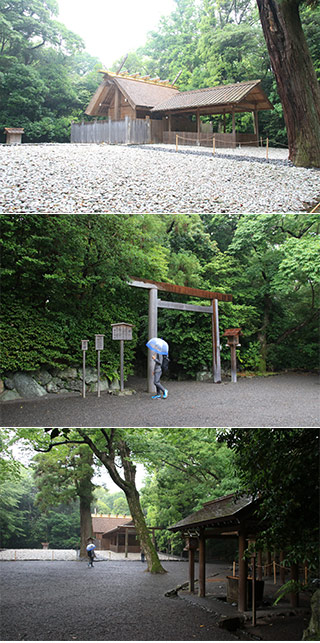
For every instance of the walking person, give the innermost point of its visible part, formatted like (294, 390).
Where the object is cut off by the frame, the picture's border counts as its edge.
(90, 551)
(160, 350)
(157, 376)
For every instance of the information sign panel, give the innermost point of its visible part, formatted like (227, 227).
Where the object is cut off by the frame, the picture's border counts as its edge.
(122, 331)
(99, 342)
(84, 344)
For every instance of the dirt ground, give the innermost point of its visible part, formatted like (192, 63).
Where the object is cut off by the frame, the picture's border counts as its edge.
(119, 601)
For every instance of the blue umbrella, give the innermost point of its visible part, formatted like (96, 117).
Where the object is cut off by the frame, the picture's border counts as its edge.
(158, 345)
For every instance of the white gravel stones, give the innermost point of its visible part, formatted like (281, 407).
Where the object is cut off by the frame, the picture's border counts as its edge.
(88, 178)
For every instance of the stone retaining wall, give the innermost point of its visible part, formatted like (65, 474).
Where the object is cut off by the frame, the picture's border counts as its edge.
(42, 382)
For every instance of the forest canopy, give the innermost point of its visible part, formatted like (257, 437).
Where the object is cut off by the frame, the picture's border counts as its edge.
(47, 78)
(69, 277)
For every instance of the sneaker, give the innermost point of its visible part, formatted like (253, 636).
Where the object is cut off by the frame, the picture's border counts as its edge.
(155, 397)
(165, 395)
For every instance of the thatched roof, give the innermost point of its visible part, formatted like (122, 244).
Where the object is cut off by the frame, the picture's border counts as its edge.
(137, 91)
(245, 96)
(103, 524)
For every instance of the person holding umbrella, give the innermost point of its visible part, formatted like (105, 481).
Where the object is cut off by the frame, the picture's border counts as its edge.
(90, 551)
(160, 349)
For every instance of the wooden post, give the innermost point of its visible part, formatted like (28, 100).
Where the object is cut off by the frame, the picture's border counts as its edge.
(243, 571)
(305, 573)
(267, 150)
(233, 355)
(191, 570)
(260, 572)
(282, 569)
(216, 362)
(83, 373)
(98, 371)
(126, 543)
(274, 573)
(234, 568)
(169, 124)
(121, 365)
(253, 589)
(176, 142)
(202, 563)
(269, 569)
(153, 331)
(198, 127)
(294, 596)
(214, 145)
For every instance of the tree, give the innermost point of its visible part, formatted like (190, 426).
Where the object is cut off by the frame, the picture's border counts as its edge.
(112, 448)
(281, 466)
(296, 79)
(63, 475)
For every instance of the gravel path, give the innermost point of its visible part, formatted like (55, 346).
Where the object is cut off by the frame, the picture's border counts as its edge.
(289, 400)
(117, 601)
(113, 178)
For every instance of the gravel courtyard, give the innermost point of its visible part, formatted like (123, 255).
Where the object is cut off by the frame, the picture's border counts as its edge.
(116, 600)
(287, 400)
(87, 178)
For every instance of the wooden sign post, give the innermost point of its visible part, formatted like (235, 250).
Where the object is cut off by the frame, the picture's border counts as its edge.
(232, 335)
(122, 332)
(99, 347)
(84, 347)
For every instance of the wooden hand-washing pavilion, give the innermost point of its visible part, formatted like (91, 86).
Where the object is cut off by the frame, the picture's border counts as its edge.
(223, 517)
(174, 113)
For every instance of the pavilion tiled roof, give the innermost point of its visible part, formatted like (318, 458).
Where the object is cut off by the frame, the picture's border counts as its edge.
(216, 96)
(214, 513)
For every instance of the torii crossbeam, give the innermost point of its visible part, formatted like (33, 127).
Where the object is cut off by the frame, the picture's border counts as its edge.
(155, 303)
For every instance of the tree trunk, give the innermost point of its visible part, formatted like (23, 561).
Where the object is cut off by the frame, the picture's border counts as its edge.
(84, 489)
(143, 534)
(296, 79)
(107, 457)
(262, 336)
(85, 524)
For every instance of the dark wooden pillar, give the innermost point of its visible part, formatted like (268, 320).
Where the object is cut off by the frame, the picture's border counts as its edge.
(126, 543)
(191, 570)
(243, 572)
(282, 569)
(198, 127)
(202, 563)
(260, 570)
(294, 596)
(269, 565)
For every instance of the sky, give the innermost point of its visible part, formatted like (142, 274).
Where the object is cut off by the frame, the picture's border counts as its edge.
(112, 29)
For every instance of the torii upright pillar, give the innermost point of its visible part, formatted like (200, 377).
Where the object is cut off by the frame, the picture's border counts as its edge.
(152, 332)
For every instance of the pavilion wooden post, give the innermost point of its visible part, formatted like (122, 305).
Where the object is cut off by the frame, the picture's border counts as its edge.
(282, 569)
(253, 593)
(202, 563)
(152, 332)
(294, 596)
(198, 126)
(256, 124)
(216, 362)
(260, 570)
(126, 543)
(191, 570)
(117, 104)
(243, 572)
(234, 127)
(269, 564)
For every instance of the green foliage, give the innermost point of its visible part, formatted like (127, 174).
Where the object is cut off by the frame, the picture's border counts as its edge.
(281, 466)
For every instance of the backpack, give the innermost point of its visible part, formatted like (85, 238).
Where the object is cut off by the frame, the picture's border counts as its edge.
(165, 364)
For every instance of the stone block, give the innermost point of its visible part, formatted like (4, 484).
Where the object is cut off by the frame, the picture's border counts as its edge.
(10, 395)
(68, 374)
(43, 377)
(27, 387)
(8, 382)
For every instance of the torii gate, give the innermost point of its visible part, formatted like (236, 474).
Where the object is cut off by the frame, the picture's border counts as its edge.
(155, 303)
